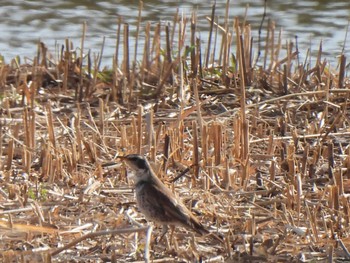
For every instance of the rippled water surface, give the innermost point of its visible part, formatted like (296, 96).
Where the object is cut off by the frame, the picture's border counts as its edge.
(23, 23)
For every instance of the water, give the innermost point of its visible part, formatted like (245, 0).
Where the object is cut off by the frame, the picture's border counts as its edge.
(24, 23)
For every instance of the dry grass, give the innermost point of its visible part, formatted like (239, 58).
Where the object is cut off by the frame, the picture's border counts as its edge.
(265, 141)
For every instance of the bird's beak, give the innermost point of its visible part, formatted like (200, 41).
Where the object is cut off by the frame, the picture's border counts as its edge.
(123, 159)
(112, 164)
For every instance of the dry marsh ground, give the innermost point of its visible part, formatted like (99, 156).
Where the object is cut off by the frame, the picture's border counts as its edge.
(254, 140)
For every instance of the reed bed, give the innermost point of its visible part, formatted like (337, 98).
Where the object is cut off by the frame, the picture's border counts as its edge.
(254, 140)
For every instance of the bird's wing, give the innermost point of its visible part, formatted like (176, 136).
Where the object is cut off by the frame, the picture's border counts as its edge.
(173, 208)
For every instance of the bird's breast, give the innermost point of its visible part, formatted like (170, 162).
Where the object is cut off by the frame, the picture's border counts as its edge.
(149, 203)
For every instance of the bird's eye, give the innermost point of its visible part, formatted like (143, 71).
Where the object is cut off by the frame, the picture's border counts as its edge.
(141, 164)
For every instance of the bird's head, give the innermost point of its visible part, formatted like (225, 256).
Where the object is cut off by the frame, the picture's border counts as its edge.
(139, 165)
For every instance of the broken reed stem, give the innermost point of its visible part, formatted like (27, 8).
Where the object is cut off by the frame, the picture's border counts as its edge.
(237, 130)
(299, 187)
(210, 34)
(250, 59)
(289, 58)
(193, 43)
(217, 135)
(341, 71)
(78, 136)
(102, 117)
(43, 51)
(195, 161)
(245, 127)
(139, 129)
(266, 51)
(311, 215)
(156, 50)
(126, 61)
(11, 147)
(168, 54)
(225, 57)
(133, 132)
(146, 53)
(151, 140)
(181, 71)
(339, 181)
(28, 143)
(180, 132)
(226, 43)
(291, 160)
(278, 47)
(242, 64)
(198, 105)
(50, 125)
(124, 137)
(137, 34)
(319, 55)
(66, 68)
(116, 55)
(175, 21)
(330, 159)
(97, 234)
(82, 57)
(204, 144)
(199, 57)
(271, 44)
(98, 61)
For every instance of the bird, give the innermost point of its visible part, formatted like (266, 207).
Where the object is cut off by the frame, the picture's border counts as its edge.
(156, 201)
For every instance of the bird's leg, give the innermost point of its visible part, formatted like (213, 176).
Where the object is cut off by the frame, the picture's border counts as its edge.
(172, 228)
(170, 242)
(165, 229)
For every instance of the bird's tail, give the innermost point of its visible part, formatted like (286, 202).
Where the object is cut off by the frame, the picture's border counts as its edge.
(200, 229)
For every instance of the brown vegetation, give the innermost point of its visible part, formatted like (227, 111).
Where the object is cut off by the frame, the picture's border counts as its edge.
(264, 141)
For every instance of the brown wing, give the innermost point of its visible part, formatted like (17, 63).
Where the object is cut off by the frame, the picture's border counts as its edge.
(170, 207)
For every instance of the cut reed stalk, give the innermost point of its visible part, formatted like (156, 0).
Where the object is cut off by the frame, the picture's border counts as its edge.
(168, 55)
(210, 35)
(11, 147)
(102, 122)
(81, 61)
(196, 157)
(27, 160)
(78, 137)
(145, 68)
(116, 55)
(140, 130)
(139, 19)
(150, 139)
(341, 71)
(194, 64)
(126, 61)
(66, 67)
